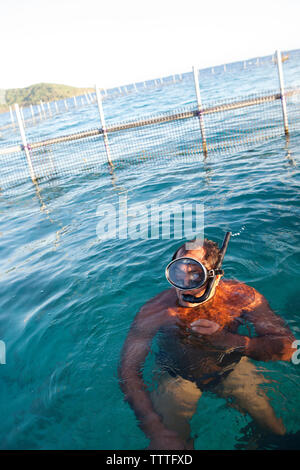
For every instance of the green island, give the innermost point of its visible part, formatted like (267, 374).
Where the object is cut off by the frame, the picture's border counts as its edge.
(39, 92)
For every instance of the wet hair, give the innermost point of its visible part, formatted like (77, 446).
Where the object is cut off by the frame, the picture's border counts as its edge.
(212, 252)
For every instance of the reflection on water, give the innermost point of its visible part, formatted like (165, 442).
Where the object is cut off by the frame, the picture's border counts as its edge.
(67, 299)
(74, 298)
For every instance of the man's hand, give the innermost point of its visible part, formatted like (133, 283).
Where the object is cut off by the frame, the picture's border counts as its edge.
(216, 336)
(167, 440)
(205, 327)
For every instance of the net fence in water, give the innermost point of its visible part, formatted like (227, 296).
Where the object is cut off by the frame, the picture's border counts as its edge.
(183, 134)
(33, 114)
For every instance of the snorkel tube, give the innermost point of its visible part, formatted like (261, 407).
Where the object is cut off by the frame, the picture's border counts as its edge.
(213, 273)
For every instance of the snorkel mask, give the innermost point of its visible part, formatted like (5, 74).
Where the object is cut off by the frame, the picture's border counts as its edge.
(189, 274)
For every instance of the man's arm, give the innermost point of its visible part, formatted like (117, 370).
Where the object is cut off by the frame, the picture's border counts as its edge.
(134, 353)
(274, 338)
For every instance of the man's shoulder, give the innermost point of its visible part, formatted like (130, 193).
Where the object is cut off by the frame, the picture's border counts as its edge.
(159, 303)
(163, 296)
(238, 285)
(239, 293)
(155, 312)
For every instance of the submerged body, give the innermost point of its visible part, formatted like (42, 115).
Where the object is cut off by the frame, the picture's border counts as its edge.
(193, 357)
(200, 349)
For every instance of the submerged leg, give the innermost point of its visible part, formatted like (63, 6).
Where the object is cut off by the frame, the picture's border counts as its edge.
(243, 384)
(175, 399)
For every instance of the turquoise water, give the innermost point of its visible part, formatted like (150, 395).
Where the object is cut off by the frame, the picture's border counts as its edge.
(67, 299)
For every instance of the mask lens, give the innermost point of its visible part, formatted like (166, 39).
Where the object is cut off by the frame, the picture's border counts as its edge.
(186, 273)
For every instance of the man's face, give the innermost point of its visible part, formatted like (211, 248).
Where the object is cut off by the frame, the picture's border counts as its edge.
(187, 271)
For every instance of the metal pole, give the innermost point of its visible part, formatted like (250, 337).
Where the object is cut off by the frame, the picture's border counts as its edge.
(102, 120)
(11, 116)
(56, 106)
(282, 93)
(66, 106)
(42, 107)
(22, 115)
(40, 111)
(75, 102)
(49, 109)
(24, 141)
(32, 113)
(201, 122)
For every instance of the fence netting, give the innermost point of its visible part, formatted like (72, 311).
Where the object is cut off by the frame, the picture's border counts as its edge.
(69, 147)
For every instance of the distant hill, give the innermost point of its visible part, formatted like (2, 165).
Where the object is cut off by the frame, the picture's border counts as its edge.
(39, 92)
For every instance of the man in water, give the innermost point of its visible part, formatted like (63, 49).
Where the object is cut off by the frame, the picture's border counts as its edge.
(200, 348)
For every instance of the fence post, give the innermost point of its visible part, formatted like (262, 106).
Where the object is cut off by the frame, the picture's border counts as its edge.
(22, 115)
(40, 111)
(43, 109)
(11, 116)
(102, 120)
(32, 113)
(201, 122)
(282, 93)
(24, 142)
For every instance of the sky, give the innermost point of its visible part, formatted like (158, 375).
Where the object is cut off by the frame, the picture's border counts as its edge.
(114, 42)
